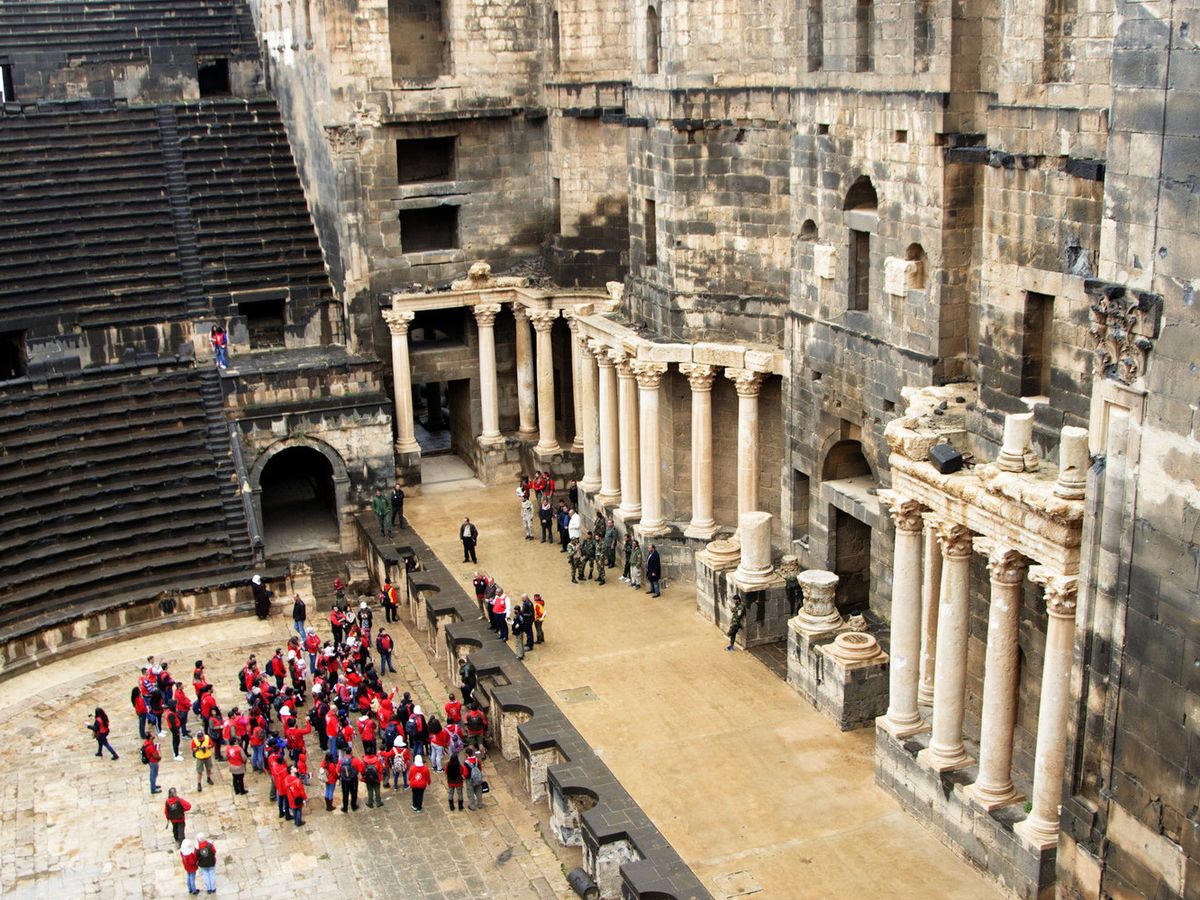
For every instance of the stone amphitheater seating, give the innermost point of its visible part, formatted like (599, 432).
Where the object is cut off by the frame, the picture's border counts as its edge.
(115, 484)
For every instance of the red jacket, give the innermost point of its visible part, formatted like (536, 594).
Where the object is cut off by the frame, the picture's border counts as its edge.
(182, 807)
(234, 756)
(331, 724)
(182, 703)
(312, 643)
(418, 776)
(296, 794)
(454, 711)
(189, 862)
(295, 736)
(279, 774)
(208, 704)
(367, 729)
(441, 739)
(139, 703)
(373, 760)
(152, 754)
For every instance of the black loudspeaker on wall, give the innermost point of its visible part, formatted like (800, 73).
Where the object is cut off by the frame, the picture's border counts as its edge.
(945, 458)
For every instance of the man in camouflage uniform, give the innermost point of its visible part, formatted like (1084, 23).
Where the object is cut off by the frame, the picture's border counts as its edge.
(587, 556)
(610, 544)
(737, 619)
(574, 561)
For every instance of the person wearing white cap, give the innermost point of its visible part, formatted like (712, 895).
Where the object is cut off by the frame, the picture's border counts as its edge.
(187, 853)
(365, 618)
(262, 597)
(418, 780)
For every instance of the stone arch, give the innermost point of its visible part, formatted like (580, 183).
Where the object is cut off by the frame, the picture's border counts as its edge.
(342, 508)
(915, 253)
(844, 458)
(808, 230)
(862, 196)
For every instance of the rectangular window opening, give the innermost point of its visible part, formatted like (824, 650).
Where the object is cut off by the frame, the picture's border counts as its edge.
(213, 76)
(901, 136)
(860, 270)
(864, 27)
(556, 199)
(422, 230)
(425, 159)
(7, 93)
(800, 505)
(13, 358)
(650, 225)
(816, 35)
(417, 34)
(822, 128)
(264, 322)
(1036, 344)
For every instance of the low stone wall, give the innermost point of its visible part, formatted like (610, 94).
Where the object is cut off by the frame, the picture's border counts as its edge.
(622, 850)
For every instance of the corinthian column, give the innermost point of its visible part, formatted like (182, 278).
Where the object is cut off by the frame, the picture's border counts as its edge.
(748, 384)
(631, 499)
(1040, 828)
(903, 718)
(931, 590)
(576, 378)
(398, 322)
(590, 418)
(946, 750)
(994, 787)
(543, 321)
(527, 429)
(485, 318)
(701, 378)
(610, 460)
(649, 379)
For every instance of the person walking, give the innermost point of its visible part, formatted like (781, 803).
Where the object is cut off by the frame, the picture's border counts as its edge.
(418, 780)
(218, 340)
(467, 678)
(654, 572)
(299, 614)
(187, 855)
(206, 860)
(539, 615)
(455, 776)
(175, 809)
(202, 753)
(398, 506)
(382, 507)
(99, 729)
(474, 779)
(736, 620)
(152, 757)
(527, 518)
(391, 602)
(469, 535)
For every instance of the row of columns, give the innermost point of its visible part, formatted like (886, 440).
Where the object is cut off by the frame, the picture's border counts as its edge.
(922, 538)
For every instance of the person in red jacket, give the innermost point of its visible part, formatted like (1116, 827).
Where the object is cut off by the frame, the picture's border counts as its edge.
(331, 731)
(236, 757)
(367, 729)
(329, 773)
(175, 809)
(418, 780)
(99, 729)
(476, 726)
(187, 854)
(295, 738)
(296, 796)
(279, 776)
(453, 710)
(372, 776)
(139, 707)
(152, 757)
(183, 706)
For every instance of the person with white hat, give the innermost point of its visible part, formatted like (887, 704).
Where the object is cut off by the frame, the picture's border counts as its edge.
(262, 597)
(187, 853)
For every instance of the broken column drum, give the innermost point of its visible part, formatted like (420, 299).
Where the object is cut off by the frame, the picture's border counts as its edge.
(819, 614)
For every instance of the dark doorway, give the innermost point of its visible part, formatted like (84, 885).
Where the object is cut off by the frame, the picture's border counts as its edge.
(424, 159)
(852, 562)
(299, 507)
(264, 322)
(213, 76)
(422, 230)
(12, 354)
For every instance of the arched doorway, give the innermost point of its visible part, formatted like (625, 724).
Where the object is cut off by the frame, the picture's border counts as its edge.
(299, 504)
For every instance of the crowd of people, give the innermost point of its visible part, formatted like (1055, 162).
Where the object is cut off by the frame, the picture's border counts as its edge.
(590, 552)
(315, 714)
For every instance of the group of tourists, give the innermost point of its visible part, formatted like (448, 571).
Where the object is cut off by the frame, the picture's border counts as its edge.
(327, 692)
(521, 619)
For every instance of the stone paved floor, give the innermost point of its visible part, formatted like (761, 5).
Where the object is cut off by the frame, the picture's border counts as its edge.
(72, 825)
(751, 786)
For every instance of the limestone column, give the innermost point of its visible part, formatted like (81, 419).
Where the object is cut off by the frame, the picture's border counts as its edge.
(576, 379)
(610, 460)
(701, 378)
(649, 380)
(631, 498)
(398, 322)
(946, 750)
(527, 429)
(903, 718)
(543, 321)
(1040, 828)
(931, 588)
(485, 318)
(748, 385)
(994, 787)
(590, 418)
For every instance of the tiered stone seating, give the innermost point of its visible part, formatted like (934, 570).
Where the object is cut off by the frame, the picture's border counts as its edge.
(99, 31)
(87, 228)
(252, 221)
(114, 485)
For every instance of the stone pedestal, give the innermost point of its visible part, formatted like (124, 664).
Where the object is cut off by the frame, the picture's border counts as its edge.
(844, 675)
(818, 616)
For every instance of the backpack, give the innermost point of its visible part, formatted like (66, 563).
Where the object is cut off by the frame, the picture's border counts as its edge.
(476, 776)
(390, 733)
(346, 770)
(410, 727)
(145, 758)
(196, 706)
(371, 774)
(206, 856)
(175, 807)
(475, 720)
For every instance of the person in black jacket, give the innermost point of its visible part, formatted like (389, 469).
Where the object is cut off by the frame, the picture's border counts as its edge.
(653, 571)
(299, 613)
(262, 597)
(469, 535)
(398, 506)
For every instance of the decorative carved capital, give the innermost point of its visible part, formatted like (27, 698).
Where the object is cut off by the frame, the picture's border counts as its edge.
(649, 375)
(906, 513)
(601, 352)
(485, 314)
(623, 363)
(542, 319)
(1060, 591)
(398, 320)
(1005, 565)
(1123, 329)
(585, 348)
(520, 313)
(955, 539)
(699, 376)
(747, 382)
(343, 139)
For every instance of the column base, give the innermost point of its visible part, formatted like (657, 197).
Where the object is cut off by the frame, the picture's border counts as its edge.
(937, 762)
(610, 499)
(590, 487)
(901, 730)
(627, 515)
(647, 530)
(528, 435)
(490, 440)
(989, 800)
(702, 531)
(406, 447)
(577, 445)
(547, 449)
(1038, 835)
(814, 626)
(925, 696)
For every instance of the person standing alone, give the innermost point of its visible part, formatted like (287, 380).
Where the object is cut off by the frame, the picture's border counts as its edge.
(469, 535)
(398, 506)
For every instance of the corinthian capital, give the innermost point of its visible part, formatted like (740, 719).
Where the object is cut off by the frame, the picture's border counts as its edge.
(699, 376)
(1061, 591)
(398, 320)
(906, 513)
(485, 314)
(542, 319)
(649, 375)
(954, 538)
(747, 382)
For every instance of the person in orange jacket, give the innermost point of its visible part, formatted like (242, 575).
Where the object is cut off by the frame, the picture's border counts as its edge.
(418, 780)
(296, 796)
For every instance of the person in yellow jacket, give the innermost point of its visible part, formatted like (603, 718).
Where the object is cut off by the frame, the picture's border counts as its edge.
(202, 752)
(539, 613)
